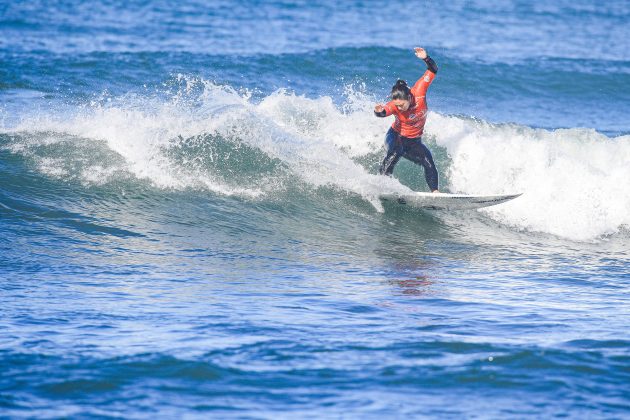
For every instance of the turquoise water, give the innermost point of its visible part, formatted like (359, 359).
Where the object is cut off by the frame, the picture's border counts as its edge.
(190, 223)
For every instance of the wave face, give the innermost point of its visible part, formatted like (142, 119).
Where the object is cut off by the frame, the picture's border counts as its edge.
(190, 223)
(214, 138)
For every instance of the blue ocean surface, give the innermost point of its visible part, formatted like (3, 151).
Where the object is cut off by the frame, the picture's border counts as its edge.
(190, 222)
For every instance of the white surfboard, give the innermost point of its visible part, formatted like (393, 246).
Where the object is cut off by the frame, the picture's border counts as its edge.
(444, 201)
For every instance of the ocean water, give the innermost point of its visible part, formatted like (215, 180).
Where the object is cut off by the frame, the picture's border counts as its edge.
(190, 224)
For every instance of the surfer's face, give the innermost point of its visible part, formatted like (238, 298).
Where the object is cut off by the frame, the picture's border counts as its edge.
(401, 104)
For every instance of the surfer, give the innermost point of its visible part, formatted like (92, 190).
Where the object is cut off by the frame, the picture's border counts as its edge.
(404, 138)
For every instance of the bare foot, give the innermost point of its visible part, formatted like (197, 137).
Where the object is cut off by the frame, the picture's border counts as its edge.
(435, 191)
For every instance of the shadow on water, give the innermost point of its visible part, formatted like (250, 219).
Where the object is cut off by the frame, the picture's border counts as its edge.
(406, 246)
(418, 286)
(404, 229)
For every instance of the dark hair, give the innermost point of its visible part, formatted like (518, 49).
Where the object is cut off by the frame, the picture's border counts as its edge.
(401, 91)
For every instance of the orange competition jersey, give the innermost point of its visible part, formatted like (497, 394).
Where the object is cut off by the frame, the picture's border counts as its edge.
(410, 123)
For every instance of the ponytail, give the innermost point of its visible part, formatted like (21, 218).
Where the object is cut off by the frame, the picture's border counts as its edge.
(401, 91)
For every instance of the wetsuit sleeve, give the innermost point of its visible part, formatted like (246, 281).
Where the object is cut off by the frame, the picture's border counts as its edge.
(389, 110)
(381, 114)
(421, 86)
(431, 65)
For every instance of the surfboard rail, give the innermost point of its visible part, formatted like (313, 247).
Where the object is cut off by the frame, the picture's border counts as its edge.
(446, 201)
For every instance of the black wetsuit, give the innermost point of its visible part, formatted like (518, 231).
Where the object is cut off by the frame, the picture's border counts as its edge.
(412, 149)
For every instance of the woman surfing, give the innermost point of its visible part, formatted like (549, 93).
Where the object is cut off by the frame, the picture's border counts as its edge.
(404, 138)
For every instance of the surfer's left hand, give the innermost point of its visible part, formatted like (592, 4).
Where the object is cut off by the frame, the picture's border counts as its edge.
(420, 53)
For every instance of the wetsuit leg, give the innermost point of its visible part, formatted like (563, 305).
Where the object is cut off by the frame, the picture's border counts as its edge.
(394, 152)
(419, 154)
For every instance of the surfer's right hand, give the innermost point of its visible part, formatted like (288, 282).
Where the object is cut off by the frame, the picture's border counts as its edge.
(379, 108)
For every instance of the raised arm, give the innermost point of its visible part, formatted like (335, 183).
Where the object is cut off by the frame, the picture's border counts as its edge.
(422, 54)
(421, 85)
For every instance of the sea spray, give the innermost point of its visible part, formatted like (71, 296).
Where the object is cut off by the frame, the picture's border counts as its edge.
(574, 181)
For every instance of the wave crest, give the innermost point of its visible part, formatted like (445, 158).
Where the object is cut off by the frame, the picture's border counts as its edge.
(203, 135)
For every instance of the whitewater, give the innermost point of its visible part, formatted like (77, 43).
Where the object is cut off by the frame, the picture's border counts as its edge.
(574, 180)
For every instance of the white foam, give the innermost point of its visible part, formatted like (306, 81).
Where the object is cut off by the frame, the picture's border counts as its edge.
(576, 182)
(318, 141)
(139, 129)
(351, 127)
(313, 138)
